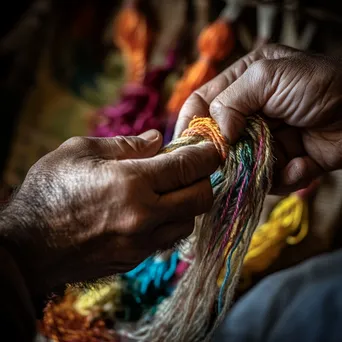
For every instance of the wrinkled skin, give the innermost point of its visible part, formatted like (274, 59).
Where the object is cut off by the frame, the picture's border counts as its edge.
(300, 95)
(95, 207)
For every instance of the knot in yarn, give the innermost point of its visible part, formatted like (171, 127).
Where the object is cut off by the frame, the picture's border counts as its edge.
(209, 130)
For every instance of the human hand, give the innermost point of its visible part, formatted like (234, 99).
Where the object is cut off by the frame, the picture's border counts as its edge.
(300, 95)
(95, 207)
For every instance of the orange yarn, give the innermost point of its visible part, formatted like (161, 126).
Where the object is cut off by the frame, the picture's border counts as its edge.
(216, 41)
(133, 37)
(209, 130)
(214, 44)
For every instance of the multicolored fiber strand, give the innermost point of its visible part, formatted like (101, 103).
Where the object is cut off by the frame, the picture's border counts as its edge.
(215, 43)
(221, 237)
(135, 293)
(288, 224)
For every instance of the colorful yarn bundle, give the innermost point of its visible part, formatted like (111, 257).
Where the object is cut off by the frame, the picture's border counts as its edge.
(137, 292)
(221, 237)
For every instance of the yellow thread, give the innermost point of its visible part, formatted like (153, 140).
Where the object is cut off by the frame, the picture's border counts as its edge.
(98, 297)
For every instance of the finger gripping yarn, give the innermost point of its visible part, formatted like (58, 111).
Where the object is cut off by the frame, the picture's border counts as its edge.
(208, 130)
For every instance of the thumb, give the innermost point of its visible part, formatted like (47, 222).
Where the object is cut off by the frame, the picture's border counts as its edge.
(244, 97)
(143, 146)
(121, 147)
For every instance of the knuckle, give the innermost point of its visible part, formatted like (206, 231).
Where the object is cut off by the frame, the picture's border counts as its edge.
(216, 104)
(273, 47)
(76, 142)
(121, 140)
(121, 143)
(79, 146)
(260, 69)
(126, 144)
(276, 50)
(129, 185)
(134, 221)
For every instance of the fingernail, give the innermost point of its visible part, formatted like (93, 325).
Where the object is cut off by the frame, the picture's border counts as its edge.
(150, 135)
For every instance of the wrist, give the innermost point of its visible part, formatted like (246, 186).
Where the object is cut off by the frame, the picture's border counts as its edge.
(19, 316)
(19, 230)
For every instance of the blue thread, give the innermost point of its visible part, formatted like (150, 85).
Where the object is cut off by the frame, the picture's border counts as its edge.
(153, 271)
(173, 266)
(149, 284)
(139, 268)
(216, 179)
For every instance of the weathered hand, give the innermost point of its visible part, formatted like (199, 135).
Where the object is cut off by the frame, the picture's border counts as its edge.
(95, 207)
(300, 95)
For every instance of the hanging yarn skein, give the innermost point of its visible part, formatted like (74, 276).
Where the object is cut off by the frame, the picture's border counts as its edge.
(139, 108)
(215, 43)
(133, 37)
(221, 237)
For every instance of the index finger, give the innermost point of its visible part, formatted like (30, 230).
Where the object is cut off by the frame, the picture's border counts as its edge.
(199, 101)
(180, 168)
